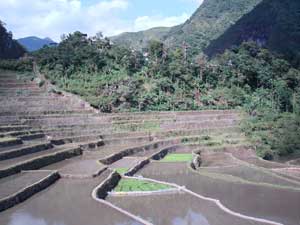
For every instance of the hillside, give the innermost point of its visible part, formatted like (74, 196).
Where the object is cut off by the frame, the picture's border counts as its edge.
(210, 20)
(9, 48)
(34, 43)
(274, 24)
(139, 40)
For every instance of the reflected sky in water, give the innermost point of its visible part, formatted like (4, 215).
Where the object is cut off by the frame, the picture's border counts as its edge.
(191, 218)
(21, 218)
(25, 218)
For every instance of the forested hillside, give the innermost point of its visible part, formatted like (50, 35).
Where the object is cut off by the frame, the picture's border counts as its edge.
(140, 40)
(274, 24)
(9, 48)
(210, 21)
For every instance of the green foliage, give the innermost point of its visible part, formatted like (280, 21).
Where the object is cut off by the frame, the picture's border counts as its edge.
(131, 185)
(178, 157)
(122, 170)
(22, 65)
(9, 48)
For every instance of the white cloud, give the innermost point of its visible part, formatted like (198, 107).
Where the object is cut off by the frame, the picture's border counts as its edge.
(55, 17)
(146, 22)
(51, 18)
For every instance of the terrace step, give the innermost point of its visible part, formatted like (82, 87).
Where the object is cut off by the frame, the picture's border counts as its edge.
(14, 128)
(18, 188)
(38, 160)
(129, 140)
(8, 142)
(44, 111)
(68, 140)
(29, 137)
(20, 133)
(135, 150)
(14, 153)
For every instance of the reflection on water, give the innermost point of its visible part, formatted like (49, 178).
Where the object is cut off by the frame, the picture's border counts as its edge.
(27, 219)
(191, 218)
(22, 218)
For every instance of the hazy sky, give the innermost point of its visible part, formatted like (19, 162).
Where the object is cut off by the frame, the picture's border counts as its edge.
(51, 18)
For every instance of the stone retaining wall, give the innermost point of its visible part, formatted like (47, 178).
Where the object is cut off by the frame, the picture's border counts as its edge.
(40, 162)
(108, 185)
(131, 151)
(162, 153)
(30, 137)
(69, 140)
(27, 192)
(24, 151)
(156, 156)
(137, 167)
(9, 143)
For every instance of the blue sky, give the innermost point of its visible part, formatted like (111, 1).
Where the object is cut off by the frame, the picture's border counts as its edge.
(51, 18)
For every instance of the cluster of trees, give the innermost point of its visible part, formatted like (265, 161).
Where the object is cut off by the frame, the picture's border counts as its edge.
(268, 88)
(9, 48)
(21, 65)
(114, 78)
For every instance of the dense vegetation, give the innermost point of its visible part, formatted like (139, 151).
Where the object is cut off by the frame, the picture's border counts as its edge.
(274, 24)
(21, 65)
(9, 48)
(114, 78)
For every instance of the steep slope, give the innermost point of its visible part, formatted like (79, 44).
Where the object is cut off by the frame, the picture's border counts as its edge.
(210, 20)
(9, 48)
(274, 24)
(139, 40)
(34, 43)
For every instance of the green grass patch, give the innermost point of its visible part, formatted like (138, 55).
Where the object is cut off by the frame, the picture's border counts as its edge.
(131, 185)
(121, 170)
(178, 157)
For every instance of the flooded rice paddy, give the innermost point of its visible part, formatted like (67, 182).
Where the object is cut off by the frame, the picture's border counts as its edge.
(262, 201)
(67, 202)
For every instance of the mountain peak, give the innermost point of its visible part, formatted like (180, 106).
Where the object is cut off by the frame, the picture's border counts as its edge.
(33, 43)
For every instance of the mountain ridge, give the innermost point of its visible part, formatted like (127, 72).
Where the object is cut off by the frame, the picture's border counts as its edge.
(272, 24)
(33, 43)
(208, 22)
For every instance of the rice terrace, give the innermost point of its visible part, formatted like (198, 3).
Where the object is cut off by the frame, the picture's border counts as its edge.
(190, 117)
(194, 168)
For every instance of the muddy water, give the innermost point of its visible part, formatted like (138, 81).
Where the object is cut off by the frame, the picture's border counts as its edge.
(77, 166)
(177, 209)
(255, 175)
(67, 202)
(127, 162)
(108, 150)
(275, 204)
(10, 162)
(15, 183)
